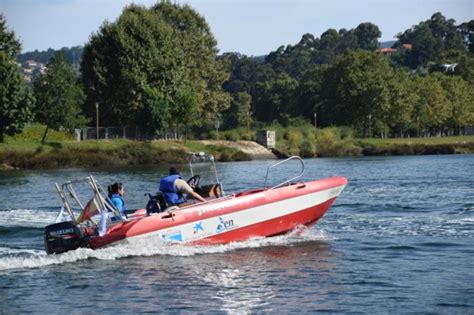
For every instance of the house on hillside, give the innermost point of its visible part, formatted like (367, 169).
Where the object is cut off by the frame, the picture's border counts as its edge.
(31, 68)
(388, 51)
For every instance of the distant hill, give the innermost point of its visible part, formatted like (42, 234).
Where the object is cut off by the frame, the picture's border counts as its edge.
(387, 44)
(73, 55)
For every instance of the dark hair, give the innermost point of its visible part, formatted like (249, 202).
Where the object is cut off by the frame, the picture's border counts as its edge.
(114, 188)
(174, 171)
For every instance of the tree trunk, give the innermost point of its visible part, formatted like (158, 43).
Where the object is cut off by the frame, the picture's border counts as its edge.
(1, 135)
(44, 135)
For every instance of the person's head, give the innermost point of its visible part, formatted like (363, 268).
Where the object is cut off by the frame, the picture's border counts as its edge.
(174, 171)
(117, 188)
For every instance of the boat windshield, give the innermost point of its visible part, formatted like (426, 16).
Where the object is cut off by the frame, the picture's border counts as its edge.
(203, 166)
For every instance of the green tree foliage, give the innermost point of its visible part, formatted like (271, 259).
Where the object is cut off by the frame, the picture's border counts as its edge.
(431, 108)
(429, 39)
(396, 113)
(9, 45)
(15, 98)
(59, 96)
(467, 32)
(367, 36)
(354, 90)
(199, 56)
(16, 101)
(245, 72)
(276, 99)
(295, 60)
(465, 68)
(73, 55)
(310, 93)
(154, 61)
(460, 96)
(244, 111)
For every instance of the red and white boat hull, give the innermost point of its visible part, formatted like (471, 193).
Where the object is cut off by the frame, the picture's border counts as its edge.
(257, 213)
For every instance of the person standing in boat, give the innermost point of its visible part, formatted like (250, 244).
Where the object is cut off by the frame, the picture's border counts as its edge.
(173, 187)
(116, 193)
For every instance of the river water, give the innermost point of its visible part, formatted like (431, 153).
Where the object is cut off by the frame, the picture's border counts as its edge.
(399, 239)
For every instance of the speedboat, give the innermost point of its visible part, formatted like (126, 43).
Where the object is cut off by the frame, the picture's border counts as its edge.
(263, 212)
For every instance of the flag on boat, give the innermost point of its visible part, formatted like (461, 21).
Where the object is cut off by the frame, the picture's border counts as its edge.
(90, 210)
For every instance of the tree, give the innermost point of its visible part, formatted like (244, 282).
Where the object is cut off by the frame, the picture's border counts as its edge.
(461, 102)
(467, 31)
(310, 91)
(59, 96)
(275, 100)
(354, 90)
(367, 36)
(396, 114)
(8, 42)
(164, 57)
(16, 101)
(430, 39)
(431, 108)
(243, 102)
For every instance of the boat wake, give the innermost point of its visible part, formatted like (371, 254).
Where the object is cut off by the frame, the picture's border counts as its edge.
(31, 218)
(15, 258)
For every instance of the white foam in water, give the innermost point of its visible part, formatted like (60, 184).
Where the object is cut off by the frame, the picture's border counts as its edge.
(24, 258)
(434, 225)
(26, 218)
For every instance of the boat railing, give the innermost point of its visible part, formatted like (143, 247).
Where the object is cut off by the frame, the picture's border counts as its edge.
(288, 180)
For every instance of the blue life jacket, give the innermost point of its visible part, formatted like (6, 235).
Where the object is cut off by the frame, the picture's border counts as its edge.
(119, 203)
(172, 196)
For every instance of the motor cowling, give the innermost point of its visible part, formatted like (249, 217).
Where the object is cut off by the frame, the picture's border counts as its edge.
(62, 237)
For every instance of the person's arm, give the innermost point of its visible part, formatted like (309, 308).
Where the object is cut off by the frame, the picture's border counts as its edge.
(183, 187)
(197, 196)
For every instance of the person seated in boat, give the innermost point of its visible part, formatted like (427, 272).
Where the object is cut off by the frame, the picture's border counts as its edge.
(116, 192)
(173, 187)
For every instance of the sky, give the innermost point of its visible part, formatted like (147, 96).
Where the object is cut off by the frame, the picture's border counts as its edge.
(251, 27)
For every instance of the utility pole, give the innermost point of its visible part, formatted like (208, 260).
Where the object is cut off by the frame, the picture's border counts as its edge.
(217, 125)
(97, 120)
(315, 120)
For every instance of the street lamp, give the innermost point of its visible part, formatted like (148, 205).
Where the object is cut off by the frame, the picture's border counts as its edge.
(97, 120)
(315, 119)
(217, 124)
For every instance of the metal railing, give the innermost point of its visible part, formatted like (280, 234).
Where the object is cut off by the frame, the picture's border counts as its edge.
(288, 180)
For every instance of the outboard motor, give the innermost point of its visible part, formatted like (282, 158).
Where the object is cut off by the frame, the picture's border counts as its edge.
(63, 236)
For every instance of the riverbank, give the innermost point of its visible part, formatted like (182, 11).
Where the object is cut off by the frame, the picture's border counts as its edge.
(88, 154)
(70, 154)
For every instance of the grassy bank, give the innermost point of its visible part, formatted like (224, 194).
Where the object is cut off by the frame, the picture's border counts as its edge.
(25, 152)
(307, 141)
(417, 146)
(70, 154)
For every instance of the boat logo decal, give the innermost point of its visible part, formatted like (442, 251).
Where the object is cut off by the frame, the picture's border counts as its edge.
(172, 235)
(225, 225)
(198, 227)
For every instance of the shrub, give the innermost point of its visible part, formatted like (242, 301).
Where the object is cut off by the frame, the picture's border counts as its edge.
(307, 149)
(213, 135)
(329, 143)
(295, 138)
(231, 135)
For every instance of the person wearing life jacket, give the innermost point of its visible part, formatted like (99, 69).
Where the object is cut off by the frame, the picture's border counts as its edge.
(173, 187)
(116, 196)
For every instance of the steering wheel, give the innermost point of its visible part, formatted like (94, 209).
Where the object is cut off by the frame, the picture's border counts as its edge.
(194, 181)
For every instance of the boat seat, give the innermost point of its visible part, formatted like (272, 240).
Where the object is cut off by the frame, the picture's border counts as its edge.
(210, 191)
(156, 204)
